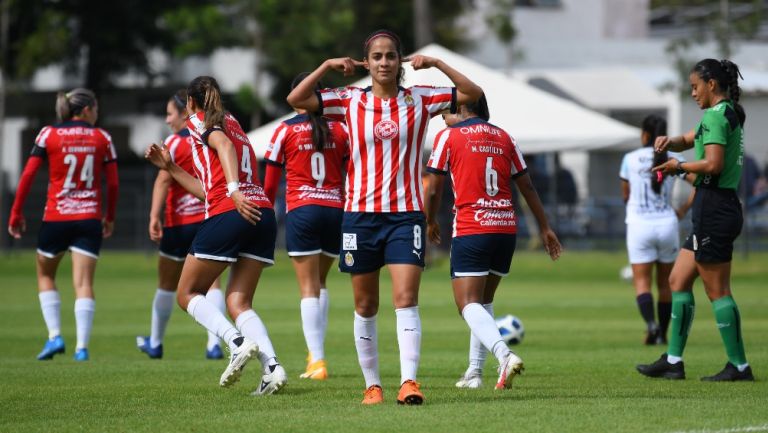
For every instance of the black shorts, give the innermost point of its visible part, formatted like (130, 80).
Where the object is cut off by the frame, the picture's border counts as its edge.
(717, 221)
(228, 236)
(371, 240)
(482, 254)
(177, 241)
(83, 236)
(313, 229)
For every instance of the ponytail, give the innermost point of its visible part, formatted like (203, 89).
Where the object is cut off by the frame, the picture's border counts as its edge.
(726, 74)
(655, 126)
(72, 103)
(205, 92)
(320, 131)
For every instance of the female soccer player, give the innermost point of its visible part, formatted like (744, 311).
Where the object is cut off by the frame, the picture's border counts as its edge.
(175, 229)
(239, 230)
(78, 154)
(383, 223)
(719, 144)
(652, 230)
(312, 149)
(481, 160)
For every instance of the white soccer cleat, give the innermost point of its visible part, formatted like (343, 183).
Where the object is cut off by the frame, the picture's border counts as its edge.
(472, 379)
(510, 367)
(274, 379)
(237, 361)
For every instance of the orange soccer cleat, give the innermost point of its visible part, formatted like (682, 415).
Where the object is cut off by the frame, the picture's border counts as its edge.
(373, 395)
(410, 393)
(316, 370)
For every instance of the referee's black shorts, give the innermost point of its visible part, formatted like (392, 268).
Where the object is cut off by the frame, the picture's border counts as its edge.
(717, 221)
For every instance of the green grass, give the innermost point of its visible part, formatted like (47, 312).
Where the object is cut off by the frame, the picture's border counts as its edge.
(582, 342)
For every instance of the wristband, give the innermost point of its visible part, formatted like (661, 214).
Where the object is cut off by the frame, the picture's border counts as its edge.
(679, 168)
(232, 187)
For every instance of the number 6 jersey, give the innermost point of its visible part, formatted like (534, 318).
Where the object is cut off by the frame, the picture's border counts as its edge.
(76, 153)
(481, 159)
(312, 177)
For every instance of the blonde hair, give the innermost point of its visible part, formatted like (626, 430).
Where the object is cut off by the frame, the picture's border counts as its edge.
(72, 103)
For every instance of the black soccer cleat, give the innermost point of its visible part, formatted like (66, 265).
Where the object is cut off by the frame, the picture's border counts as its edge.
(731, 374)
(662, 368)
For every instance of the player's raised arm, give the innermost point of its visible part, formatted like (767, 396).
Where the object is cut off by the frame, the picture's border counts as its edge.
(303, 96)
(466, 90)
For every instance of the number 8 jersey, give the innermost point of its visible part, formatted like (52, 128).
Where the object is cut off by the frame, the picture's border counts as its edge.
(210, 172)
(76, 153)
(312, 177)
(481, 159)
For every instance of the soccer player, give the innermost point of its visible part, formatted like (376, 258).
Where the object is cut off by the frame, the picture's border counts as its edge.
(238, 230)
(174, 229)
(383, 222)
(481, 159)
(313, 150)
(718, 141)
(652, 229)
(78, 155)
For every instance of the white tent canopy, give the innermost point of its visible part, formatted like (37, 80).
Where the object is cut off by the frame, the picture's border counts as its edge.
(538, 121)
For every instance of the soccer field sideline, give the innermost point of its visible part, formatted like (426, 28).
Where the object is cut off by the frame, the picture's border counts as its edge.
(582, 340)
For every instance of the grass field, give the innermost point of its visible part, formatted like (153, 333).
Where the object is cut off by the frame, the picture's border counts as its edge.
(583, 338)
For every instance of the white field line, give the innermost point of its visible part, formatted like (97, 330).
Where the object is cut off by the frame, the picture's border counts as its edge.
(746, 429)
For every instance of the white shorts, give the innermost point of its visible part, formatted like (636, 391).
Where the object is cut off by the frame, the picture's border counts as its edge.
(649, 243)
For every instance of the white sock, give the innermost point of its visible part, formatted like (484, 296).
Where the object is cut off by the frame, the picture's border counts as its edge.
(409, 341)
(484, 328)
(477, 351)
(162, 306)
(84, 309)
(50, 304)
(367, 348)
(215, 297)
(311, 323)
(324, 302)
(250, 325)
(673, 359)
(742, 367)
(206, 314)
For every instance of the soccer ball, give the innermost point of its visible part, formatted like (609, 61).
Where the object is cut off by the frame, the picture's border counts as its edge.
(626, 273)
(511, 329)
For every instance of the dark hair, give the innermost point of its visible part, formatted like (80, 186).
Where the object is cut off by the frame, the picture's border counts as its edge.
(204, 90)
(320, 131)
(179, 100)
(71, 104)
(480, 108)
(398, 47)
(655, 126)
(726, 74)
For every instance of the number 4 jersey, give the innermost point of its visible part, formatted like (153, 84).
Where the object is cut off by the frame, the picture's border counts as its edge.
(312, 177)
(76, 153)
(481, 159)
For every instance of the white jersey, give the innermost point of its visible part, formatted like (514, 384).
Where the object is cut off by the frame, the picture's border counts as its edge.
(644, 204)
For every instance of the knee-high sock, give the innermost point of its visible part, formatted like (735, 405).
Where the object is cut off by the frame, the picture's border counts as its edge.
(311, 323)
(645, 305)
(216, 297)
(477, 351)
(366, 343)
(484, 328)
(162, 306)
(664, 310)
(206, 314)
(324, 303)
(409, 341)
(729, 324)
(250, 325)
(50, 304)
(683, 307)
(84, 309)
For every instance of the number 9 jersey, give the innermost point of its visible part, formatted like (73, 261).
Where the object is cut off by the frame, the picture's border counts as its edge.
(482, 159)
(76, 153)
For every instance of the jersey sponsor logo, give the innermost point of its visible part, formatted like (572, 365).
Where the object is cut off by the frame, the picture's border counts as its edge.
(349, 242)
(302, 128)
(308, 192)
(480, 129)
(386, 130)
(495, 218)
(188, 205)
(76, 202)
(491, 203)
(75, 131)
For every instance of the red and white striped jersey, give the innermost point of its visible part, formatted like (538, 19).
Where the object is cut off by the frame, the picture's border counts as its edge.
(210, 172)
(312, 177)
(386, 138)
(76, 152)
(481, 159)
(181, 207)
